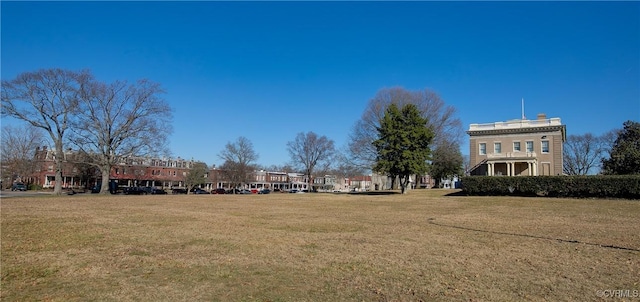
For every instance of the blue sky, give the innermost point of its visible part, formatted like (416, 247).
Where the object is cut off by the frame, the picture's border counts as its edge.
(269, 70)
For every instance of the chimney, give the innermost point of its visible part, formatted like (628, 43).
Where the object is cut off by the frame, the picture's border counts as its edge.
(542, 116)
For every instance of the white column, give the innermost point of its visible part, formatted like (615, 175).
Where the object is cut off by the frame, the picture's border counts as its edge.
(508, 168)
(535, 168)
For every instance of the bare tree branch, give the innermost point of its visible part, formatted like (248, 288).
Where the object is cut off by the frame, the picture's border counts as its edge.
(118, 120)
(17, 151)
(46, 99)
(583, 154)
(309, 150)
(239, 161)
(442, 120)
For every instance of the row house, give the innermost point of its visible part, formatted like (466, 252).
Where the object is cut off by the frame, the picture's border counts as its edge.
(360, 183)
(73, 175)
(164, 173)
(330, 183)
(150, 172)
(168, 173)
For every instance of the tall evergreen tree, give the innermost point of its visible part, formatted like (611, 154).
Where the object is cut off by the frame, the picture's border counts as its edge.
(624, 157)
(403, 144)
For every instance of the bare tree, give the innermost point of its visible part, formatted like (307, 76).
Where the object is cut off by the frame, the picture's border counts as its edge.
(441, 119)
(466, 164)
(344, 168)
(46, 99)
(17, 150)
(583, 153)
(119, 120)
(239, 161)
(278, 168)
(609, 139)
(310, 151)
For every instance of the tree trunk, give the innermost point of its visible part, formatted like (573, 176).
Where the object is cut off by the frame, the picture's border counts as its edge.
(404, 181)
(57, 189)
(105, 170)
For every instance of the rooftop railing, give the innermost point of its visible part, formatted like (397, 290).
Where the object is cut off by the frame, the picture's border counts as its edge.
(516, 124)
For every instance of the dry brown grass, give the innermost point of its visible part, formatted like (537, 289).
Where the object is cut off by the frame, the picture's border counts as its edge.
(317, 247)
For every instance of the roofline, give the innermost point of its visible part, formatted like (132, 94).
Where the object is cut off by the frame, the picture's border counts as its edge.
(561, 128)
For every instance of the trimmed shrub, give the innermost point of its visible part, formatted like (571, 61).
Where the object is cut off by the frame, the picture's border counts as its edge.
(600, 186)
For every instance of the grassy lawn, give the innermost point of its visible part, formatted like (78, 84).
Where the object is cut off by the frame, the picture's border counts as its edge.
(423, 246)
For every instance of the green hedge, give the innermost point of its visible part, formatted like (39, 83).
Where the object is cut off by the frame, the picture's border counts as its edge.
(600, 186)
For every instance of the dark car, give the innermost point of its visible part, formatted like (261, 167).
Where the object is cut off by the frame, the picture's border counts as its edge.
(95, 189)
(158, 191)
(219, 191)
(199, 191)
(134, 191)
(264, 191)
(179, 191)
(18, 187)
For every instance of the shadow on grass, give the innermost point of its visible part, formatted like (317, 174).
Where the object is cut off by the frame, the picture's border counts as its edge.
(457, 193)
(375, 193)
(432, 221)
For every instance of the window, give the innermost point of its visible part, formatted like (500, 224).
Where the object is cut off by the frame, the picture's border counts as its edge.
(483, 149)
(497, 148)
(516, 146)
(545, 147)
(529, 146)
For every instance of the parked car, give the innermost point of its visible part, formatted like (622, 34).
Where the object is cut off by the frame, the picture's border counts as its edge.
(95, 189)
(264, 191)
(244, 191)
(219, 191)
(179, 191)
(18, 186)
(158, 191)
(134, 191)
(199, 191)
(293, 191)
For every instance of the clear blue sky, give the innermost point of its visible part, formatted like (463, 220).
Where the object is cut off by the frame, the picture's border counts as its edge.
(269, 70)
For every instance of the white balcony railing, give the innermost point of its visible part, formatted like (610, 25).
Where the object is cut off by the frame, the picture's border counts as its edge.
(511, 155)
